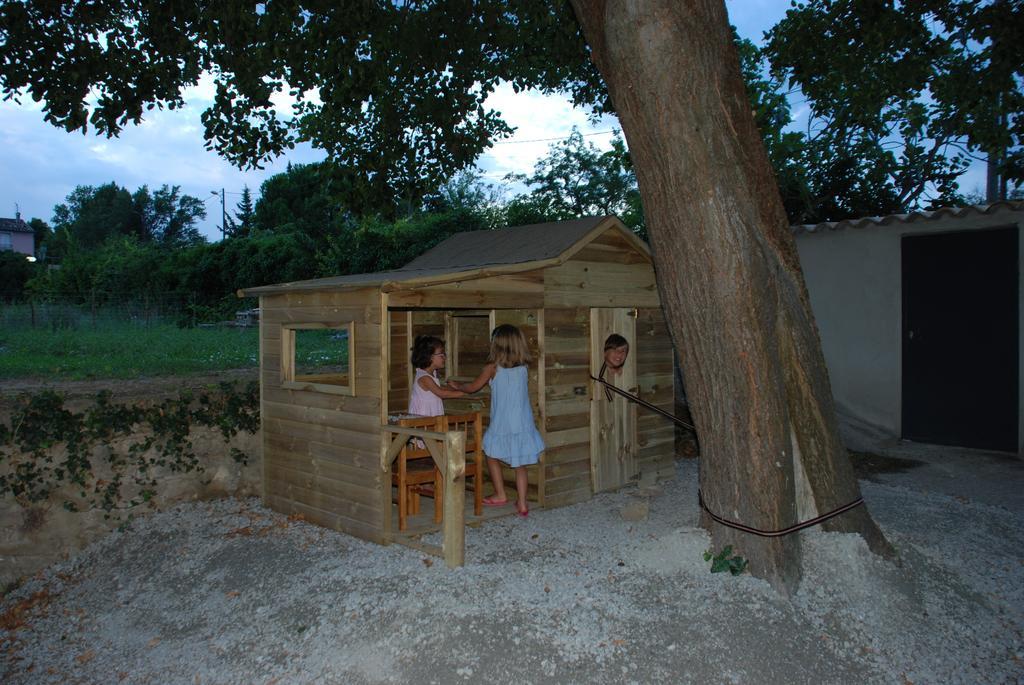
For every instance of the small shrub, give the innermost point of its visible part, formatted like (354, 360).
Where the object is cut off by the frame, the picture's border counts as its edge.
(724, 561)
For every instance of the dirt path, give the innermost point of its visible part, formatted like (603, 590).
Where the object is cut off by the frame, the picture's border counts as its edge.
(79, 393)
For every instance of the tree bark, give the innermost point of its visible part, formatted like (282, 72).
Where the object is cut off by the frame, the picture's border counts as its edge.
(729, 278)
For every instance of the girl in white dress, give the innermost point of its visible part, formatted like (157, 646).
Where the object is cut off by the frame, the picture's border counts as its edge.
(428, 356)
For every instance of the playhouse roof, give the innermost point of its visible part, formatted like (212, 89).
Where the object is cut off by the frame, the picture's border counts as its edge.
(475, 254)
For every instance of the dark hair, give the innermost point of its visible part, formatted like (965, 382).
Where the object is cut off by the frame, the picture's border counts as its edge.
(614, 342)
(423, 349)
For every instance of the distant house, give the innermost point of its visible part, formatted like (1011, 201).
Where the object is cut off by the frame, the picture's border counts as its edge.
(920, 318)
(18, 236)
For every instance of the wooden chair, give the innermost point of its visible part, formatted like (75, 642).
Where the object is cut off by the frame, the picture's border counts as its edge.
(416, 474)
(414, 469)
(472, 425)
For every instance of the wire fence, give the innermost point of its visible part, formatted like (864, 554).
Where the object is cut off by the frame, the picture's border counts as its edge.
(112, 310)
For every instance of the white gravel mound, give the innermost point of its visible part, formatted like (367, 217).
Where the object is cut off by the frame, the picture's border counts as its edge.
(230, 592)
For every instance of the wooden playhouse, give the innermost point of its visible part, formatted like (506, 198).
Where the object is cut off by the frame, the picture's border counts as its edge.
(568, 285)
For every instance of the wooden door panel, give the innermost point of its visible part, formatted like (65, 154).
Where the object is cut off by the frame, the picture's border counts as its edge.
(613, 436)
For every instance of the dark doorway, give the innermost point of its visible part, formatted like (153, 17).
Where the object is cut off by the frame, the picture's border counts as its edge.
(960, 339)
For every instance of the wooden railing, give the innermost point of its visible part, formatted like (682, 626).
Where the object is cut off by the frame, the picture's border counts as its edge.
(448, 451)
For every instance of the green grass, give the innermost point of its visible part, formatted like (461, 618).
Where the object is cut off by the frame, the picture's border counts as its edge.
(124, 351)
(321, 351)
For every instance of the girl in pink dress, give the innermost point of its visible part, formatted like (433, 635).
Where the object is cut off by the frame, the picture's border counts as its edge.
(428, 357)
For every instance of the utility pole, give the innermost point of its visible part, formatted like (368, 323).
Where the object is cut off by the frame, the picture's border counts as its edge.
(223, 213)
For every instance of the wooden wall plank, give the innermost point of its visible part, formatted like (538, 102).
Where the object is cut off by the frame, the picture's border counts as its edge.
(566, 453)
(320, 499)
(600, 284)
(362, 440)
(579, 470)
(346, 420)
(368, 406)
(326, 518)
(366, 314)
(323, 480)
(512, 291)
(567, 403)
(553, 424)
(655, 369)
(597, 252)
(335, 469)
(464, 299)
(280, 445)
(576, 404)
(398, 364)
(569, 437)
(321, 298)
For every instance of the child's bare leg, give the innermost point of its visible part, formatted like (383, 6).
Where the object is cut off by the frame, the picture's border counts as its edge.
(522, 482)
(494, 467)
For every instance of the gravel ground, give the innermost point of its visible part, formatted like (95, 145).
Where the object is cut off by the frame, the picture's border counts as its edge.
(230, 592)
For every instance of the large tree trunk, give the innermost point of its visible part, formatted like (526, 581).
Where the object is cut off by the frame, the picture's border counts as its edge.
(728, 276)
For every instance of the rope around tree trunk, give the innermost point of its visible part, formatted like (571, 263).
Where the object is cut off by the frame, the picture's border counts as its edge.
(700, 497)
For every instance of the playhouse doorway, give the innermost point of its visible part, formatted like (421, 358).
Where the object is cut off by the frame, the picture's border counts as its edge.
(613, 423)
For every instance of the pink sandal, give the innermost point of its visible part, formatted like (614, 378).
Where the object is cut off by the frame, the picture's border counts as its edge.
(491, 502)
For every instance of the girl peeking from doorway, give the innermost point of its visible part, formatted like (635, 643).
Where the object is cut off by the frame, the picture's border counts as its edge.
(511, 437)
(616, 349)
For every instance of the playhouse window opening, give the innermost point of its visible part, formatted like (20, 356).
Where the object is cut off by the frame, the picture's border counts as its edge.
(468, 344)
(319, 357)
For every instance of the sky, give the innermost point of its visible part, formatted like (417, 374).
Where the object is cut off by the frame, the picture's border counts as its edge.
(43, 164)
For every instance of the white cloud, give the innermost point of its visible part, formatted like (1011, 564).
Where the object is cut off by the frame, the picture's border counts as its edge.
(538, 121)
(202, 93)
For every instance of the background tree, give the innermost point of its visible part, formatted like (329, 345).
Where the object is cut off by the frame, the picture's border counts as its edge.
(405, 110)
(15, 271)
(468, 192)
(169, 218)
(379, 245)
(299, 200)
(244, 221)
(901, 97)
(576, 179)
(90, 215)
(43, 235)
(210, 275)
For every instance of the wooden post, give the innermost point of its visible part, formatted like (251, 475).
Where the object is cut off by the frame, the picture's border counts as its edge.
(386, 438)
(454, 474)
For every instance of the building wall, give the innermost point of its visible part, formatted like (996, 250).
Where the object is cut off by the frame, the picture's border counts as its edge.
(24, 243)
(321, 450)
(853, 277)
(608, 272)
(566, 416)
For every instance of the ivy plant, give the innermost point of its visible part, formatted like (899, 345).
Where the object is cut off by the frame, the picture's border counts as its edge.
(725, 561)
(46, 447)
